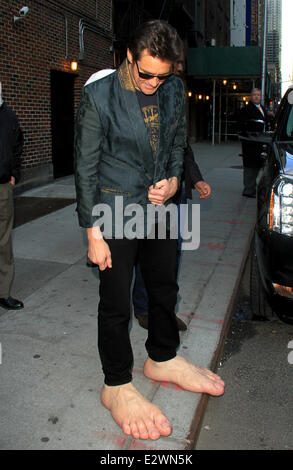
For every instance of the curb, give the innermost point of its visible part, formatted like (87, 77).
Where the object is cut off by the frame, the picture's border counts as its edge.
(196, 422)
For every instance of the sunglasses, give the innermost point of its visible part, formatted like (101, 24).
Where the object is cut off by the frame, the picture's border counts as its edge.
(148, 76)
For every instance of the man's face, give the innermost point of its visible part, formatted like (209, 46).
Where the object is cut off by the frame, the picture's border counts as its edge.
(256, 96)
(152, 66)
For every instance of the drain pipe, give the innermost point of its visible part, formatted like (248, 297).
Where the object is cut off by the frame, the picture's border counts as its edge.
(83, 25)
(66, 37)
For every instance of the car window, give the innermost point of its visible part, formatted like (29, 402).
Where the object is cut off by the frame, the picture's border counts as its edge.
(289, 127)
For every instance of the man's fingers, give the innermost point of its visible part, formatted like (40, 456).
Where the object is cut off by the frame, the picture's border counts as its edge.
(103, 264)
(160, 185)
(109, 261)
(158, 192)
(155, 200)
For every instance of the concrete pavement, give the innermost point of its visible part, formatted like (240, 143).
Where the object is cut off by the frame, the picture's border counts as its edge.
(51, 373)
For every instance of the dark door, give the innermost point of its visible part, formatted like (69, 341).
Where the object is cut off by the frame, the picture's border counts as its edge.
(62, 112)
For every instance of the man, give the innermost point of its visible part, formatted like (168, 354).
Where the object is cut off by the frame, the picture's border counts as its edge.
(119, 154)
(252, 119)
(191, 179)
(11, 145)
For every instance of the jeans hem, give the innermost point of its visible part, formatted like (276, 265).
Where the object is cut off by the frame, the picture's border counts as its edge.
(116, 383)
(155, 359)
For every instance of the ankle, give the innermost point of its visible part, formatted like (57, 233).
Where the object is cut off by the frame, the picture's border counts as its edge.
(159, 364)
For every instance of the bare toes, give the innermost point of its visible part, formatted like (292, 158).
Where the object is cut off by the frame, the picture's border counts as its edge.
(143, 432)
(164, 426)
(126, 429)
(134, 430)
(153, 432)
(219, 388)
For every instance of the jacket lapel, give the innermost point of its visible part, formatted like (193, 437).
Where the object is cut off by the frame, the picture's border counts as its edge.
(136, 119)
(258, 114)
(166, 111)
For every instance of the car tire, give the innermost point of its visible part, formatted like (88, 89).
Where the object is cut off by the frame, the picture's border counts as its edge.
(258, 297)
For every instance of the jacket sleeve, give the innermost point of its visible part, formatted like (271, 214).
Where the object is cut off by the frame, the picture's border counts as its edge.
(17, 151)
(175, 163)
(191, 168)
(88, 143)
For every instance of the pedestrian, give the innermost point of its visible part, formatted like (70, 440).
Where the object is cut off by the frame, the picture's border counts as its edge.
(11, 145)
(191, 179)
(118, 155)
(252, 118)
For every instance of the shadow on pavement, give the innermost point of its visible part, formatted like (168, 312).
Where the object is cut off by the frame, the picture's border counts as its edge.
(27, 209)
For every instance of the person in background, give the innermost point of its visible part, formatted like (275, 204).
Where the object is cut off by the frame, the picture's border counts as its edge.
(11, 146)
(252, 118)
(191, 179)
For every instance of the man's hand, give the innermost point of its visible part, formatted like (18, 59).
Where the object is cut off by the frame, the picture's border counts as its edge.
(163, 191)
(98, 250)
(204, 189)
(12, 180)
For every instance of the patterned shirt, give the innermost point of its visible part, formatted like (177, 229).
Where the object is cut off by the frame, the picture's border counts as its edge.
(150, 112)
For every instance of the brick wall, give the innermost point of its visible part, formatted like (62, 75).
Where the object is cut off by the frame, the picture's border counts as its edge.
(32, 47)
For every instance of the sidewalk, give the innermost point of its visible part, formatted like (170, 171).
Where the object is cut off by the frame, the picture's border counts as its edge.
(51, 373)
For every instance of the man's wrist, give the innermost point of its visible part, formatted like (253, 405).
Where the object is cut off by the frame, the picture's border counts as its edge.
(173, 185)
(94, 234)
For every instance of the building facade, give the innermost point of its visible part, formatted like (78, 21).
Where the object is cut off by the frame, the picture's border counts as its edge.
(246, 23)
(238, 23)
(273, 45)
(38, 84)
(212, 23)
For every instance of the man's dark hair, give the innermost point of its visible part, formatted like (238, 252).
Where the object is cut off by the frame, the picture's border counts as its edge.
(159, 38)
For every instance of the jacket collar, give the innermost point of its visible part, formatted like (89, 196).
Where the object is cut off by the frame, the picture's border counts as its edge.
(125, 77)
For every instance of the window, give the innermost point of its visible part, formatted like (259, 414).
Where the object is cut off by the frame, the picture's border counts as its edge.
(289, 127)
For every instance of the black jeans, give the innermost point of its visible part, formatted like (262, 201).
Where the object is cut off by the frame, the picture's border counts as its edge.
(158, 260)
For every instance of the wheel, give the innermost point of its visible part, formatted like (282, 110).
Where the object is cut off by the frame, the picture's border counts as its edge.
(258, 297)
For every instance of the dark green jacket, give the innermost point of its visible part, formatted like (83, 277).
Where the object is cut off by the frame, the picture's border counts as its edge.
(113, 155)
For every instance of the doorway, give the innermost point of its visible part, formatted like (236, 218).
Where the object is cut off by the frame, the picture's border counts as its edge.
(62, 122)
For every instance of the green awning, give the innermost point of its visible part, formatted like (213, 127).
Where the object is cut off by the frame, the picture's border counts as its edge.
(224, 62)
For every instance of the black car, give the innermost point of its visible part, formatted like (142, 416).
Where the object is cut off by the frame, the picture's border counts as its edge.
(271, 285)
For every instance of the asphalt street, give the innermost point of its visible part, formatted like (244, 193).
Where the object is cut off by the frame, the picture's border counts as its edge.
(255, 413)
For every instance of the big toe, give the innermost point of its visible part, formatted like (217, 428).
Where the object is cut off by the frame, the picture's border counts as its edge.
(217, 388)
(163, 425)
